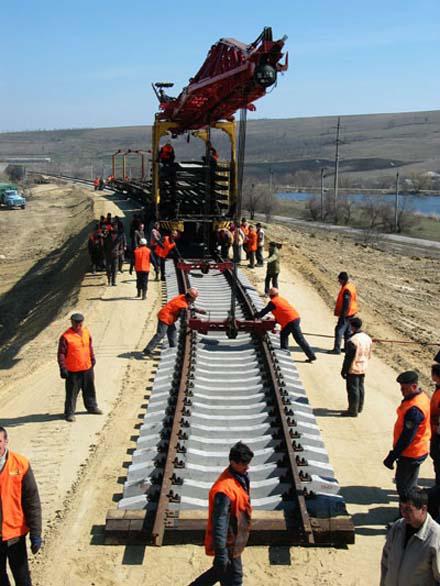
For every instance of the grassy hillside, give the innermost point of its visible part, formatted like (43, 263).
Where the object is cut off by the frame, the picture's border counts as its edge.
(373, 146)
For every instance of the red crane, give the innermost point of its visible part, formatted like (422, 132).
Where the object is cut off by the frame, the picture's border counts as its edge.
(232, 77)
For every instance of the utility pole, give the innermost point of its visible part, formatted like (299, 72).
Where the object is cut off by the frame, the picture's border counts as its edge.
(336, 183)
(396, 205)
(323, 170)
(270, 180)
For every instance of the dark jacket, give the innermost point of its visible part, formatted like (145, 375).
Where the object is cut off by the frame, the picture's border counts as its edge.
(31, 505)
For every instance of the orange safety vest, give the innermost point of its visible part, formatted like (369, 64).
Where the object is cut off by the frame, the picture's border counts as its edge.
(284, 313)
(353, 307)
(11, 480)
(78, 350)
(420, 444)
(142, 259)
(166, 152)
(252, 241)
(241, 510)
(163, 251)
(170, 312)
(435, 411)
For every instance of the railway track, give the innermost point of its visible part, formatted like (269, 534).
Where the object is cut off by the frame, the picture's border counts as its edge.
(208, 393)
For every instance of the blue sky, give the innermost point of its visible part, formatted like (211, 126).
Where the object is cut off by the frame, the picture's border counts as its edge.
(90, 63)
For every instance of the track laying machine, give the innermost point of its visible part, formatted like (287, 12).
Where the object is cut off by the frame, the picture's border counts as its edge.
(196, 197)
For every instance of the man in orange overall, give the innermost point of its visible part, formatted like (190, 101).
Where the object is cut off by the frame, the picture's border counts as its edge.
(289, 319)
(76, 360)
(346, 307)
(142, 267)
(20, 514)
(168, 316)
(163, 250)
(252, 245)
(229, 520)
(412, 432)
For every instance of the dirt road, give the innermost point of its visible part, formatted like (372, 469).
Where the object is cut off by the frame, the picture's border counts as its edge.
(80, 467)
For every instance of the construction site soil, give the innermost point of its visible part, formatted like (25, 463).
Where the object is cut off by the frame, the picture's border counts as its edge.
(80, 467)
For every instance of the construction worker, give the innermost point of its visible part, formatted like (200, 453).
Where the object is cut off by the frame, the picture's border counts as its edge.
(411, 554)
(76, 360)
(224, 239)
(244, 227)
(95, 249)
(272, 267)
(288, 318)
(96, 183)
(137, 234)
(260, 245)
(20, 514)
(434, 450)
(354, 367)
(237, 243)
(155, 239)
(229, 520)
(412, 433)
(252, 245)
(162, 251)
(167, 154)
(346, 307)
(114, 243)
(167, 317)
(142, 267)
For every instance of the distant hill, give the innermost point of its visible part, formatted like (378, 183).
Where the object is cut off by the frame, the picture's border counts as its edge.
(372, 147)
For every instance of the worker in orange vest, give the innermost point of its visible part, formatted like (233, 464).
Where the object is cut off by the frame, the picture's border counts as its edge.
(166, 154)
(142, 267)
(163, 250)
(346, 307)
(434, 449)
(76, 360)
(412, 432)
(289, 319)
(20, 514)
(229, 520)
(168, 316)
(251, 246)
(96, 183)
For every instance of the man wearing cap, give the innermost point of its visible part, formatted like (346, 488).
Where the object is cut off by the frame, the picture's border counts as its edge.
(76, 360)
(288, 318)
(142, 267)
(168, 316)
(412, 433)
(354, 367)
(346, 307)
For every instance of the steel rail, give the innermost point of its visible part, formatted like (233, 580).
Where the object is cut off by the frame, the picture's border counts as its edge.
(165, 495)
(282, 404)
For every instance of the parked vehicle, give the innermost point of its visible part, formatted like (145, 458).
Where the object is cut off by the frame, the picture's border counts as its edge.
(12, 199)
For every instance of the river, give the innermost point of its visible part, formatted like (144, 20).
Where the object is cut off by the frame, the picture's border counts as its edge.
(427, 205)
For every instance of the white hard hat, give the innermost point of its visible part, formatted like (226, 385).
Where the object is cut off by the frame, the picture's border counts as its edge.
(143, 241)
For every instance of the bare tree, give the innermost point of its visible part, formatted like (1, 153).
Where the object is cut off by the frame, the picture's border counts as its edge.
(253, 193)
(269, 205)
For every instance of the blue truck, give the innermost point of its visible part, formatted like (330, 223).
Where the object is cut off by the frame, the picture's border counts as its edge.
(11, 197)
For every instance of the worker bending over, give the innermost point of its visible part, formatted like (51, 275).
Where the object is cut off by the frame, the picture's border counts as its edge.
(346, 307)
(168, 316)
(288, 318)
(412, 433)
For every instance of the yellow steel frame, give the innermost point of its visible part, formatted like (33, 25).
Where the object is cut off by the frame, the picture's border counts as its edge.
(163, 127)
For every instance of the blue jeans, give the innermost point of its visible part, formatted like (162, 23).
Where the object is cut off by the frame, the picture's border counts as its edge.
(342, 330)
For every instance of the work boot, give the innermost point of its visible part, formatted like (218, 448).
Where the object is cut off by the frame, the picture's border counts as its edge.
(95, 411)
(70, 418)
(348, 413)
(334, 351)
(157, 276)
(138, 293)
(144, 294)
(312, 359)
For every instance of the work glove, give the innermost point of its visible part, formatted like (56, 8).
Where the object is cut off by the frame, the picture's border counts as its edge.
(64, 373)
(36, 543)
(389, 461)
